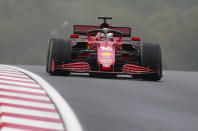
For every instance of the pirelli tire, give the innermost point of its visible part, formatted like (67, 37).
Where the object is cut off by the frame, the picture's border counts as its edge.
(151, 58)
(59, 52)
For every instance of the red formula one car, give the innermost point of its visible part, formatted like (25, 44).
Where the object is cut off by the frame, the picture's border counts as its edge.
(104, 50)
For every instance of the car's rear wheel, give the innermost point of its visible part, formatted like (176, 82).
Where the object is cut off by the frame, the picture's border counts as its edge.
(151, 58)
(59, 52)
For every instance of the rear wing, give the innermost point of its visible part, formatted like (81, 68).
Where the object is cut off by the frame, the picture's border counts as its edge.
(83, 29)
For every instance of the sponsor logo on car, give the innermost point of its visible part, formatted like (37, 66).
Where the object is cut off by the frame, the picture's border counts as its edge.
(106, 54)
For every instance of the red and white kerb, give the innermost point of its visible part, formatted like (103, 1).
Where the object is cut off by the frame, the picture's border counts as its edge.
(24, 104)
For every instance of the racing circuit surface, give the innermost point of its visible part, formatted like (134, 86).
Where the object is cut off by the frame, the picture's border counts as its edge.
(125, 104)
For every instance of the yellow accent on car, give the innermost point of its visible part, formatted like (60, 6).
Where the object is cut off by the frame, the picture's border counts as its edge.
(106, 53)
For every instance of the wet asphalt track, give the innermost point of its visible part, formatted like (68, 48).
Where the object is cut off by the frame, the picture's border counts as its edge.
(125, 104)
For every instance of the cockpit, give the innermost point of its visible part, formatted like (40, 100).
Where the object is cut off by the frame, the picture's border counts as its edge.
(104, 34)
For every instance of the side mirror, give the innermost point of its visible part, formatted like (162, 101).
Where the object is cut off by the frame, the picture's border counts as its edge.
(135, 38)
(74, 36)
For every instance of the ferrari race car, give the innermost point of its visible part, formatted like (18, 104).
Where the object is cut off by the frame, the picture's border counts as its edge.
(104, 50)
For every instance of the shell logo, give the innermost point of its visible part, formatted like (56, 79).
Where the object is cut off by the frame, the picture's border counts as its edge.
(106, 53)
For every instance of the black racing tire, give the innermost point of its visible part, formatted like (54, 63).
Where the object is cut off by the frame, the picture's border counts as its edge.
(47, 60)
(59, 52)
(151, 58)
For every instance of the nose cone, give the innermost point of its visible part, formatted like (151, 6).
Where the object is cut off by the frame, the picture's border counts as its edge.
(106, 57)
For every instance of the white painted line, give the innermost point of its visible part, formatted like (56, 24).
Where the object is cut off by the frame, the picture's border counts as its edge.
(25, 96)
(68, 116)
(13, 78)
(11, 129)
(29, 111)
(34, 123)
(16, 75)
(10, 72)
(19, 83)
(21, 89)
(25, 103)
(8, 69)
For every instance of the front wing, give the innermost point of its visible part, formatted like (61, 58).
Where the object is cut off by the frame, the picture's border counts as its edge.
(83, 67)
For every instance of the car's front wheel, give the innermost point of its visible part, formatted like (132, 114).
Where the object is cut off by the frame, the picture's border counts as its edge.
(151, 58)
(59, 52)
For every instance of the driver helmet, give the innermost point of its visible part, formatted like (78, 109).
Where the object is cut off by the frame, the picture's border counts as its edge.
(100, 35)
(110, 36)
